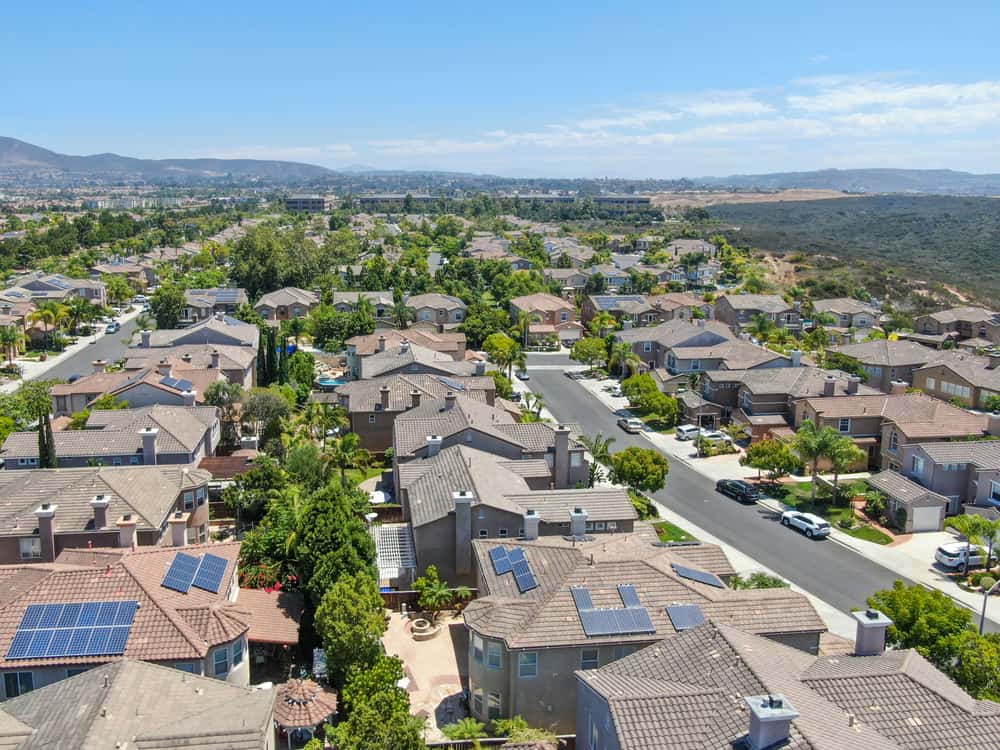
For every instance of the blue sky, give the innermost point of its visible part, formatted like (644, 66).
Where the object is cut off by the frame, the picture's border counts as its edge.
(649, 89)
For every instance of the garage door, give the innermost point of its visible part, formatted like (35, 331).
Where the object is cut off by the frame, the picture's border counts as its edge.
(926, 519)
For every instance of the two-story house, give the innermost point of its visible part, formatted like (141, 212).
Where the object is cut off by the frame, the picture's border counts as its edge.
(550, 316)
(286, 303)
(40, 286)
(201, 364)
(216, 330)
(413, 359)
(885, 361)
(201, 304)
(918, 418)
(633, 308)
(381, 302)
(846, 312)
(739, 310)
(357, 348)
(680, 305)
(443, 310)
(961, 323)
(960, 377)
(655, 345)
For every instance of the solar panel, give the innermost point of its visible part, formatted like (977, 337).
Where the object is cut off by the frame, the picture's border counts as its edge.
(181, 572)
(525, 581)
(69, 616)
(56, 630)
(581, 597)
(453, 384)
(19, 645)
(88, 615)
(210, 573)
(520, 567)
(106, 615)
(126, 613)
(629, 596)
(685, 616)
(50, 616)
(628, 620)
(501, 563)
(39, 644)
(184, 385)
(516, 555)
(698, 575)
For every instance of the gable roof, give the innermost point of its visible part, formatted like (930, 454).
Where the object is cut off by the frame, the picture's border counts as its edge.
(768, 303)
(214, 329)
(436, 301)
(915, 414)
(287, 297)
(351, 298)
(735, 353)
(450, 341)
(965, 315)
(887, 353)
(540, 301)
(189, 358)
(844, 306)
(983, 454)
(905, 490)
(975, 370)
(381, 363)
(363, 395)
(795, 382)
(679, 332)
(206, 298)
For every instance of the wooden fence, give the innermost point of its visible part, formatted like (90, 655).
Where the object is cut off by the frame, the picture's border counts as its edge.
(394, 600)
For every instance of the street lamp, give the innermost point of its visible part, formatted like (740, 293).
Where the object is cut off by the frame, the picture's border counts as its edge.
(986, 598)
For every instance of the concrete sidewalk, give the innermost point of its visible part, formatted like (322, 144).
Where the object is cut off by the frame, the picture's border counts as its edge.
(35, 369)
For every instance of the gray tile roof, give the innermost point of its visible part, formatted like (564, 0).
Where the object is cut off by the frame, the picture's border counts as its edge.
(844, 306)
(905, 490)
(964, 314)
(768, 303)
(187, 357)
(736, 354)
(974, 369)
(132, 703)
(363, 395)
(411, 428)
(796, 382)
(678, 333)
(435, 301)
(983, 454)
(887, 353)
(547, 616)
(208, 331)
(381, 363)
(351, 298)
(287, 297)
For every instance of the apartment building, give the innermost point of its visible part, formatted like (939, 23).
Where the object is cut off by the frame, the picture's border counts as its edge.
(311, 204)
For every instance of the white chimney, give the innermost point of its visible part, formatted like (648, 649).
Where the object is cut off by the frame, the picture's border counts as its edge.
(126, 531)
(189, 396)
(578, 522)
(869, 639)
(215, 359)
(897, 387)
(178, 528)
(852, 384)
(99, 365)
(144, 336)
(771, 718)
(148, 435)
(46, 515)
(163, 367)
(433, 445)
(383, 397)
(381, 343)
(531, 521)
(796, 355)
(100, 504)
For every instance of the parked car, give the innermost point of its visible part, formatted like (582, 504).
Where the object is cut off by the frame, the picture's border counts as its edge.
(616, 391)
(739, 490)
(808, 523)
(140, 298)
(952, 555)
(715, 435)
(522, 375)
(576, 374)
(631, 424)
(686, 432)
(113, 327)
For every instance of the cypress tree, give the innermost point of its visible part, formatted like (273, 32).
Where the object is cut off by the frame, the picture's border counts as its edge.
(43, 451)
(50, 444)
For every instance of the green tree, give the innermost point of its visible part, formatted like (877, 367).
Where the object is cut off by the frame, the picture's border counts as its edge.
(842, 455)
(761, 327)
(302, 368)
(350, 621)
(992, 403)
(435, 594)
(117, 288)
(976, 663)
(167, 304)
(812, 444)
(623, 358)
(976, 529)
(264, 408)
(639, 389)
(50, 314)
(346, 453)
(923, 619)
(599, 448)
(773, 456)
(504, 388)
(758, 580)
(642, 469)
(226, 397)
(466, 728)
(11, 339)
(502, 350)
(249, 493)
(591, 351)
(481, 322)
(378, 711)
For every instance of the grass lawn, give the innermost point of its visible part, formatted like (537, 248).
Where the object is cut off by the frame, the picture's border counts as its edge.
(799, 496)
(869, 534)
(668, 532)
(356, 476)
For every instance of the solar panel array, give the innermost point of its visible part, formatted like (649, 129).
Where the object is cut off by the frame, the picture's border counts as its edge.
(516, 562)
(698, 575)
(178, 383)
(78, 629)
(610, 302)
(685, 616)
(453, 384)
(204, 573)
(631, 619)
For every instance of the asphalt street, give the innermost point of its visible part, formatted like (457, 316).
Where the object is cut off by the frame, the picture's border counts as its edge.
(109, 347)
(830, 571)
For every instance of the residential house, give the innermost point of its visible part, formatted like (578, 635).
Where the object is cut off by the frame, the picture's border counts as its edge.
(201, 304)
(578, 254)
(960, 377)
(159, 255)
(963, 472)
(462, 494)
(382, 302)
(654, 345)
(357, 348)
(200, 628)
(219, 329)
(847, 313)
(46, 511)
(551, 316)
(129, 703)
(441, 309)
(632, 309)
(615, 278)
(40, 287)
(487, 247)
(570, 279)
(715, 685)
(138, 272)
(680, 305)
(413, 359)
(764, 399)
(961, 323)
(286, 303)
(681, 247)
(530, 631)
(125, 437)
(923, 419)
(885, 361)
(373, 405)
(739, 310)
(201, 364)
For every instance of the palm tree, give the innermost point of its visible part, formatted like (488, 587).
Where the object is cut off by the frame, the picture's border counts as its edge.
(364, 306)
(402, 314)
(346, 453)
(318, 419)
(842, 455)
(79, 310)
(811, 444)
(295, 327)
(524, 322)
(49, 314)
(466, 728)
(623, 356)
(976, 529)
(534, 403)
(760, 327)
(601, 323)
(10, 339)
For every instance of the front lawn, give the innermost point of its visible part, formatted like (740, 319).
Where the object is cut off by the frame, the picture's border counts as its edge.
(799, 496)
(669, 532)
(868, 533)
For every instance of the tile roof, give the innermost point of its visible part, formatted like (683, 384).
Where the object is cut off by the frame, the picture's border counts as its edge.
(796, 382)
(887, 353)
(916, 414)
(226, 467)
(769, 303)
(978, 371)
(303, 703)
(436, 301)
(363, 395)
(207, 298)
(540, 301)
(673, 300)
(132, 703)
(211, 330)
(844, 306)
(547, 616)
(287, 297)
(679, 332)
(351, 298)
(905, 490)
(451, 341)
(381, 363)
(186, 358)
(983, 454)
(963, 314)
(148, 492)
(736, 354)
(411, 428)
(168, 626)
(98, 382)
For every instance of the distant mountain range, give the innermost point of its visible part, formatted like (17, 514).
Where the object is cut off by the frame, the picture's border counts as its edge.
(19, 157)
(932, 181)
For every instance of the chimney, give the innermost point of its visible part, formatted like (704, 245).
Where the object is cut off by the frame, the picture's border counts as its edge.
(433, 445)
(796, 355)
(449, 400)
(189, 396)
(829, 385)
(463, 531)
(383, 397)
(560, 463)
(148, 435)
(578, 522)
(869, 639)
(99, 365)
(178, 528)
(993, 424)
(163, 367)
(531, 521)
(852, 384)
(126, 531)
(215, 359)
(771, 718)
(404, 346)
(480, 368)
(145, 338)
(700, 322)
(626, 324)
(46, 515)
(186, 357)
(381, 343)
(897, 387)
(994, 361)
(414, 399)
(100, 505)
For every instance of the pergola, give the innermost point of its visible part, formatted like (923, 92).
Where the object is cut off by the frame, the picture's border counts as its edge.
(303, 704)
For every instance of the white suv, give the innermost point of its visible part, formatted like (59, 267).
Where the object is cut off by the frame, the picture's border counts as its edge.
(808, 523)
(953, 555)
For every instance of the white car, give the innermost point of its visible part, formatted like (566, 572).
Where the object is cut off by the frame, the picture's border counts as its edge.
(715, 435)
(953, 555)
(631, 424)
(808, 523)
(686, 432)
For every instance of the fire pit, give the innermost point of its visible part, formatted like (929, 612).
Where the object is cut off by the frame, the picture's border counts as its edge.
(423, 629)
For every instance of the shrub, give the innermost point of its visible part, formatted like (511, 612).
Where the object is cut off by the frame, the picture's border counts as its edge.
(987, 582)
(846, 523)
(975, 578)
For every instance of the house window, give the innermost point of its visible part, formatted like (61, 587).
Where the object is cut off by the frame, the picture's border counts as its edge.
(371, 419)
(502, 533)
(76, 671)
(18, 683)
(221, 662)
(695, 364)
(622, 651)
(297, 312)
(31, 548)
(893, 442)
(116, 461)
(200, 494)
(493, 706)
(995, 491)
(931, 383)
(918, 465)
(477, 702)
(188, 501)
(590, 658)
(844, 425)
(493, 655)
(527, 664)
(576, 459)
(647, 346)
(133, 460)
(238, 653)
(563, 317)
(483, 533)
(477, 648)
(27, 462)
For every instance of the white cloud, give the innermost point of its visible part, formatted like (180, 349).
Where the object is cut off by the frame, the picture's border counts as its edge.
(842, 96)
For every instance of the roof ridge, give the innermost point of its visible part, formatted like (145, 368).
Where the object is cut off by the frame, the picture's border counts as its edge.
(169, 613)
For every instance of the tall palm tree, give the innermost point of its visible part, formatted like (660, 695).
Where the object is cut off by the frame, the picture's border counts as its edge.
(534, 403)
(346, 453)
(295, 327)
(80, 310)
(811, 443)
(623, 357)
(10, 339)
(402, 314)
(761, 327)
(843, 454)
(599, 448)
(318, 419)
(50, 314)
(601, 323)
(976, 530)
(524, 321)
(365, 307)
